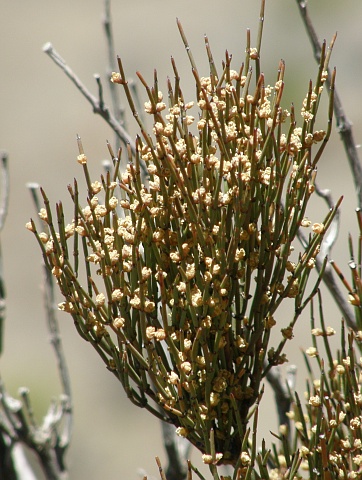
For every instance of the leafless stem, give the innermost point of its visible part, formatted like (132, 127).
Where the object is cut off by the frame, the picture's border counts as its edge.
(116, 104)
(98, 107)
(4, 202)
(18, 428)
(326, 248)
(118, 109)
(345, 130)
(281, 392)
(49, 301)
(12, 457)
(7, 461)
(343, 124)
(55, 339)
(178, 452)
(177, 449)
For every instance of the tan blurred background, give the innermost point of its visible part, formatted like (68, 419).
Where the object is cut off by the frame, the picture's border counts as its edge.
(41, 113)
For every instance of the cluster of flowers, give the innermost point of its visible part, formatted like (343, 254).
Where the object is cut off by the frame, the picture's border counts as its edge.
(328, 431)
(192, 263)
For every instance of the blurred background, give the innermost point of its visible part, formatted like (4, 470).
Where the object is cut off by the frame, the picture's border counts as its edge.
(41, 113)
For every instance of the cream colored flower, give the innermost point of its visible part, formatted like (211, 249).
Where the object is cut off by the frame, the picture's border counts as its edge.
(214, 398)
(69, 230)
(117, 295)
(245, 458)
(346, 444)
(355, 423)
(253, 53)
(29, 226)
(57, 271)
(283, 429)
(82, 159)
(208, 459)
(146, 273)
(196, 298)
(200, 360)
(330, 331)
(116, 78)
(43, 214)
(186, 367)
(114, 257)
(190, 271)
(150, 332)
(100, 300)
(305, 222)
(181, 287)
(113, 202)
(346, 361)
(44, 237)
(282, 460)
(315, 401)
(173, 378)
(340, 369)
(304, 451)
(181, 431)
(100, 211)
(66, 307)
(318, 228)
(160, 334)
(118, 322)
(149, 307)
(96, 187)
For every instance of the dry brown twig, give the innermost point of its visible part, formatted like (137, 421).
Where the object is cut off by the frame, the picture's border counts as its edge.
(343, 124)
(345, 130)
(49, 439)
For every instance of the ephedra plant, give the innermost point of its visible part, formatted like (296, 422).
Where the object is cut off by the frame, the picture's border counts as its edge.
(174, 267)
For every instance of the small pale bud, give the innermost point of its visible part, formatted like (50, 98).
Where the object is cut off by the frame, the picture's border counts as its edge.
(182, 432)
(116, 78)
(318, 228)
(118, 322)
(100, 300)
(311, 352)
(315, 401)
(82, 159)
(30, 227)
